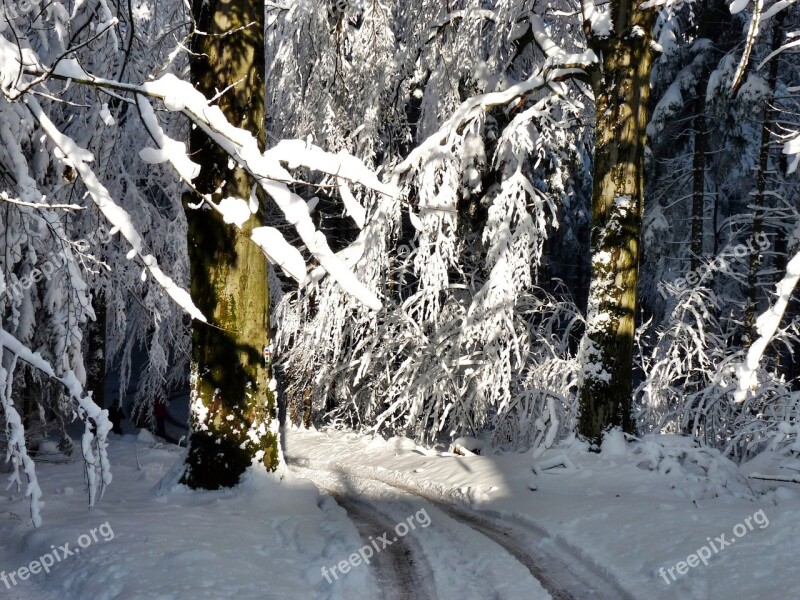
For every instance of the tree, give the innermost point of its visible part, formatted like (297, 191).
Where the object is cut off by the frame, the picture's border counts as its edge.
(116, 173)
(474, 125)
(232, 404)
(621, 86)
(763, 168)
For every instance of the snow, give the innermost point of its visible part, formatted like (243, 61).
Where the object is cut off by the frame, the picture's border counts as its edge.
(738, 6)
(352, 206)
(613, 444)
(557, 56)
(754, 89)
(168, 150)
(105, 114)
(776, 8)
(281, 252)
(793, 147)
(267, 171)
(471, 108)
(235, 210)
(600, 21)
(767, 324)
(116, 215)
(269, 538)
(93, 443)
(300, 153)
(626, 512)
(243, 148)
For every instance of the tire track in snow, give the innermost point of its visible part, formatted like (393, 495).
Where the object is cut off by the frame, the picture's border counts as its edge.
(560, 570)
(504, 538)
(400, 569)
(465, 563)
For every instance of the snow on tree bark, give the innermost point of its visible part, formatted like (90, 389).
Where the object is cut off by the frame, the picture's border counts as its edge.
(621, 85)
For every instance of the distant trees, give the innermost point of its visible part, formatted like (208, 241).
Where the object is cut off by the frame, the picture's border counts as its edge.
(713, 261)
(555, 96)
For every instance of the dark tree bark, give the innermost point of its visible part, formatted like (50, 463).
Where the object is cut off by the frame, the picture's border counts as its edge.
(699, 173)
(757, 229)
(232, 405)
(96, 352)
(715, 24)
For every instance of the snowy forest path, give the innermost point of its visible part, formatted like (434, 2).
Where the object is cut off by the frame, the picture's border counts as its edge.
(561, 571)
(401, 570)
(447, 560)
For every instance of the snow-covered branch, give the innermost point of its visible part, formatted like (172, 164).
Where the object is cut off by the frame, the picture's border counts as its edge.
(557, 57)
(40, 205)
(766, 325)
(473, 107)
(118, 217)
(265, 168)
(96, 427)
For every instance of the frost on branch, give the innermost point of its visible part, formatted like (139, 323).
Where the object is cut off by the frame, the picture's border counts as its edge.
(94, 442)
(476, 139)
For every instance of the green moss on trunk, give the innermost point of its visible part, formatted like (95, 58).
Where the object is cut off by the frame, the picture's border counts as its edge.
(621, 87)
(232, 405)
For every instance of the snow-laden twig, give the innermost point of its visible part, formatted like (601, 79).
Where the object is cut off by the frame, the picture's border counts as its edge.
(240, 145)
(471, 109)
(116, 215)
(40, 206)
(95, 433)
(766, 325)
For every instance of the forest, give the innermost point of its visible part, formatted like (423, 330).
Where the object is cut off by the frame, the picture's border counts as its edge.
(469, 230)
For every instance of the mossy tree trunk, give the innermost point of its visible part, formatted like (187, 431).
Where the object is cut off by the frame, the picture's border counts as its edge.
(621, 85)
(232, 405)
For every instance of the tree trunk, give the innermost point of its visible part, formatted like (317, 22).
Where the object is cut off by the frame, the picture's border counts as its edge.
(757, 229)
(714, 20)
(621, 86)
(96, 352)
(232, 405)
(699, 173)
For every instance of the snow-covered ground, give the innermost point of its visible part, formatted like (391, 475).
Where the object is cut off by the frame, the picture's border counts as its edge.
(265, 539)
(628, 511)
(624, 514)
